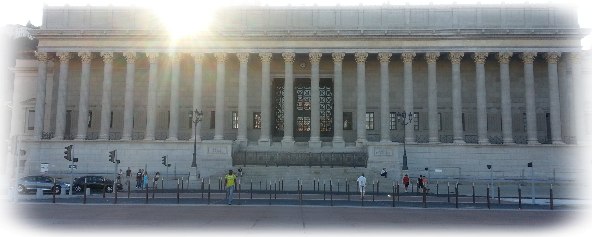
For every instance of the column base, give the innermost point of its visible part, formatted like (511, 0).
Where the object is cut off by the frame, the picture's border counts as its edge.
(558, 143)
(242, 143)
(315, 143)
(264, 142)
(433, 140)
(533, 142)
(149, 138)
(288, 142)
(338, 143)
(508, 142)
(459, 141)
(172, 139)
(361, 142)
(484, 142)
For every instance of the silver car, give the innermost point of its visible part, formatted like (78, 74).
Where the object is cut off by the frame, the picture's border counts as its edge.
(32, 183)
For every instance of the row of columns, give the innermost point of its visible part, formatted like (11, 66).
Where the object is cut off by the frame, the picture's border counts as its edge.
(315, 58)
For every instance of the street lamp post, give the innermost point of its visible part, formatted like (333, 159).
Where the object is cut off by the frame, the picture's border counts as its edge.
(405, 120)
(198, 116)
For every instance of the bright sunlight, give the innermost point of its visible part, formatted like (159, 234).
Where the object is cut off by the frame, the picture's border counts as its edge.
(187, 19)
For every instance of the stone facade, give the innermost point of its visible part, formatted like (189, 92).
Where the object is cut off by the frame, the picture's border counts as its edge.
(495, 84)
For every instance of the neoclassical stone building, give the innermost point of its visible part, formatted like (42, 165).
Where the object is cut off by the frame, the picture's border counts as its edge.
(484, 84)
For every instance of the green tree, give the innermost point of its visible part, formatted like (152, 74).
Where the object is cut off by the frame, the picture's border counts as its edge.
(5, 120)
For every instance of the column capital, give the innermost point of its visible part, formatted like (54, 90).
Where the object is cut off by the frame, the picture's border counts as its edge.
(338, 57)
(455, 57)
(220, 57)
(384, 57)
(175, 57)
(153, 57)
(107, 57)
(42, 57)
(407, 57)
(289, 57)
(528, 57)
(315, 57)
(361, 57)
(243, 57)
(480, 57)
(85, 56)
(552, 57)
(432, 57)
(504, 57)
(198, 57)
(266, 57)
(130, 57)
(575, 57)
(64, 56)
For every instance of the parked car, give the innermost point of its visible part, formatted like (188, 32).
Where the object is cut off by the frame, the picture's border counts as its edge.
(94, 183)
(32, 183)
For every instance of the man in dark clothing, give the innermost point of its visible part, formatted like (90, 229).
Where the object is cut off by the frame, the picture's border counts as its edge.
(128, 174)
(139, 178)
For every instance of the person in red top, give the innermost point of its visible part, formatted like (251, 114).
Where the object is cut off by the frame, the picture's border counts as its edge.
(406, 182)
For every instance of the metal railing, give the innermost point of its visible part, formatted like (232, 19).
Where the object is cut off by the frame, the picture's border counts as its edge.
(320, 159)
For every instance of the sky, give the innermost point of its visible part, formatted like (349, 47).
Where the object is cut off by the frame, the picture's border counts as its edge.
(22, 11)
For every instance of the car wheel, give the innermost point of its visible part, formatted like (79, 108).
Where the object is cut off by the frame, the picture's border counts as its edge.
(109, 189)
(21, 189)
(77, 188)
(57, 189)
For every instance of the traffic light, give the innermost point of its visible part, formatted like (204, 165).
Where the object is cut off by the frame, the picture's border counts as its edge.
(68, 153)
(112, 156)
(164, 160)
(12, 144)
(529, 164)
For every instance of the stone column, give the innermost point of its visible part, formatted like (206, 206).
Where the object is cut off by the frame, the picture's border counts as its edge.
(531, 128)
(106, 100)
(385, 131)
(578, 98)
(554, 104)
(288, 139)
(480, 58)
(83, 98)
(220, 88)
(433, 122)
(152, 91)
(128, 109)
(243, 58)
(361, 99)
(265, 138)
(198, 59)
(40, 96)
(565, 100)
(506, 100)
(338, 99)
(60, 127)
(408, 93)
(457, 129)
(315, 106)
(174, 106)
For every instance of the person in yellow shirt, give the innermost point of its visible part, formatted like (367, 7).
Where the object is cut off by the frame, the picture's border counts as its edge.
(230, 180)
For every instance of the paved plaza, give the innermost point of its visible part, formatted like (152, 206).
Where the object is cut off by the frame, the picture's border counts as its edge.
(33, 219)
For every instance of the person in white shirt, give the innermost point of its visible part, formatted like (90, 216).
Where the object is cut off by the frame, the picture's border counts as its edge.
(362, 185)
(383, 172)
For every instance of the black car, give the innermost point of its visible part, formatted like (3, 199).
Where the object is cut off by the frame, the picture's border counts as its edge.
(94, 183)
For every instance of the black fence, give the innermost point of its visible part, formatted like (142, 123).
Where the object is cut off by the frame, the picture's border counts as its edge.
(320, 159)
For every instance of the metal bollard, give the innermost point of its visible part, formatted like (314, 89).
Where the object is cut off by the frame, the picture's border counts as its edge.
(437, 189)
(209, 188)
(519, 197)
(425, 204)
(499, 199)
(53, 189)
(448, 192)
(331, 191)
(551, 197)
(473, 192)
(177, 191)
(393, 194)
(456, 194)
(488, 203)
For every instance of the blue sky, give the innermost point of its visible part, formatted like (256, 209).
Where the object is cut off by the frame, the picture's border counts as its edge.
(19, 12)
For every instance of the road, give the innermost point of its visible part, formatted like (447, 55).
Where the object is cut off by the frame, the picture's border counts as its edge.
(65, 219)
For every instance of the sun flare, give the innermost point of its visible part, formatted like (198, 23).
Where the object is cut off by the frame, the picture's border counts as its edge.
(186, 19)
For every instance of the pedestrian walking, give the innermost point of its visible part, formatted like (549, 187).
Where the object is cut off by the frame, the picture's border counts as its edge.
(240, 171)
(128, 174)
(145, 180)
(383, 172)
(419, 182)
(139, 178)
(406, 182)
(119, 176)
(362, 185)
(230, 180)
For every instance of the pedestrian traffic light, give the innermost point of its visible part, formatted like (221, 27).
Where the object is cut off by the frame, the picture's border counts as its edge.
(12, 144)
(164, 160)
(68, 153)
(112, 156)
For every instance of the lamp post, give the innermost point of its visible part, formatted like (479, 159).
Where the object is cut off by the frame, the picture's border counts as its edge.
(405, 121)
(198, 116)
